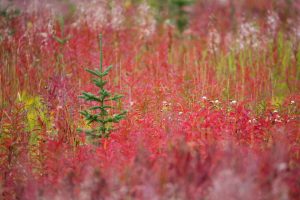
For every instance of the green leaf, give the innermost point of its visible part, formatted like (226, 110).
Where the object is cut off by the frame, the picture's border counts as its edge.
(89, 97)
(120, 116)
(104, 94)
(100, 107)
(91, 118)
(109, 119)
(117, 97)
(79, 130)
(85, 113)
(107, 69)
(61, 40)
(94, 72)
(98, 73)
(99, 83)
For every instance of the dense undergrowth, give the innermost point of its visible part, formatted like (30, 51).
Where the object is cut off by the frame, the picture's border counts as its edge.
(213, 104)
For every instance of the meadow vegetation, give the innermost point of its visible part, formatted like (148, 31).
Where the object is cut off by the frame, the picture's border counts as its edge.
(210, 89)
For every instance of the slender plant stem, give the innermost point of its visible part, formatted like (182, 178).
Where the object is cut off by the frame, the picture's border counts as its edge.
(101, 54)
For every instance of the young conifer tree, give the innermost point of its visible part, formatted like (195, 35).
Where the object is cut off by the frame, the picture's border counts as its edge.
(100, 114)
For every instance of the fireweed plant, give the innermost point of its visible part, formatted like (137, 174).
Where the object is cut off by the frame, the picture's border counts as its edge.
(214, 112)
(100, 114)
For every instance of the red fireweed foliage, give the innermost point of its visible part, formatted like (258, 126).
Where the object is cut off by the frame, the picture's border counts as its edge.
(213, 112)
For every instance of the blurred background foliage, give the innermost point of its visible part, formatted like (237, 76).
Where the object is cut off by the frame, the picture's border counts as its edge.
(180, 13)
(235, 38)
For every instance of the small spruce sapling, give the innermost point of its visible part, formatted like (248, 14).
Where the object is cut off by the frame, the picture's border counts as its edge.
(62, 41)
(100, 114)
